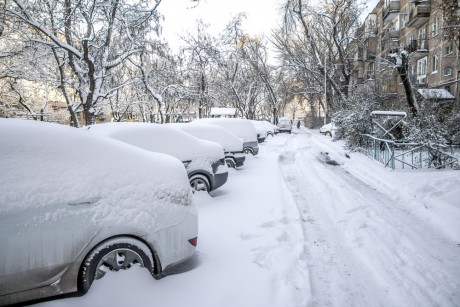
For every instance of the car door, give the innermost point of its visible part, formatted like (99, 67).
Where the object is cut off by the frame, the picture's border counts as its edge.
(38, 244)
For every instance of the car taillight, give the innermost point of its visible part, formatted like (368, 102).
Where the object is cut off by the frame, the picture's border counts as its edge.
(193, 241)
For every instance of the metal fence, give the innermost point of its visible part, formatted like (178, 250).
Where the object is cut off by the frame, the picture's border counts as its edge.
(401, 155)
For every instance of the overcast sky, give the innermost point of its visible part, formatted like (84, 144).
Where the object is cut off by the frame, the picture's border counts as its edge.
(262, 16)
(179, 17)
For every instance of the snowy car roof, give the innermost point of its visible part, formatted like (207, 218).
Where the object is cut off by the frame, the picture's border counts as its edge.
(44, 164)
(238, 126)
(229, 141)
(163, 139)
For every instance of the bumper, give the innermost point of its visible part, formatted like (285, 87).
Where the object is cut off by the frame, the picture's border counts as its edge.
(173, 252)
(218, 180)
(239, 160)
(253, 147)
(237, 157)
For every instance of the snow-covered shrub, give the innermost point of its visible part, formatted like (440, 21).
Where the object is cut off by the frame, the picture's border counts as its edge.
(452, 134)
(425, 128)
(354, 120)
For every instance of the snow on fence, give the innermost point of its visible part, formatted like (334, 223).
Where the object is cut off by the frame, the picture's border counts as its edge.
(401, 155)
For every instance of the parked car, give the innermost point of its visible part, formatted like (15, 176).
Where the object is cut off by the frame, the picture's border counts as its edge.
(328, 129)
(285, 124)
(203, 160)
(262, 130)
(271, 129)
(233, 145)
(239, 127)
(74, 206)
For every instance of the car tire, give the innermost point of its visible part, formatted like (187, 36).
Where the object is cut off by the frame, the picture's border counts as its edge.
(328, 133)
(113, 255)
(199, 182)
(230, 163)
(248, 150)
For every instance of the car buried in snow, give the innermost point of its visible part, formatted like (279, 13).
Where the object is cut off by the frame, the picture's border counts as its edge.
(240, 127)
(233, 145)
(203, 160)
(328, 129)
(262, 130)
(74, 206)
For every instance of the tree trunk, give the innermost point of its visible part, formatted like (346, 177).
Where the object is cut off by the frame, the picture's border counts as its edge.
(408, 88)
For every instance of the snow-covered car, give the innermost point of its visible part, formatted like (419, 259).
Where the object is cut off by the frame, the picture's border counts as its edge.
(285, 124)
(271, 129)
(233, 145)
(262, 130)
(328, 129)
(204, 160)
(240, 127)
(74, 206)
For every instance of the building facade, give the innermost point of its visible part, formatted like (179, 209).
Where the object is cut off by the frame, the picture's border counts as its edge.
(416, 28)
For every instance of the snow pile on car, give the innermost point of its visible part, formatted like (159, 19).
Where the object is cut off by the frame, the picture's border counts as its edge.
(238, 126)
(164, 139)
(229, 141)
(46, 165)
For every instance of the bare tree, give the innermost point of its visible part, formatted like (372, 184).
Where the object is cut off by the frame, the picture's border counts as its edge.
(314, 42)
(97, 36)
(200, 53)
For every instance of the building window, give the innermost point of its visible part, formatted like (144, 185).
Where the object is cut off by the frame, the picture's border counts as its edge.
(449, 50)
(434, 64)
(447, 71)
(435, 27)
(421, 71)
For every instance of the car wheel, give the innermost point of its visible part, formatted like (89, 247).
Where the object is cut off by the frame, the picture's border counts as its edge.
(113, 255)
(199, 182)
(328, 133)
(230, 163)
(248, 150)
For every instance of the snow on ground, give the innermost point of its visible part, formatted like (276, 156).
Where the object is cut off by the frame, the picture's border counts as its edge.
(303, 225)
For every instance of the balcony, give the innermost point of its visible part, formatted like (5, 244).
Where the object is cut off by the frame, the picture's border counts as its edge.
(419, 15)
(391, 10)
(418, 48)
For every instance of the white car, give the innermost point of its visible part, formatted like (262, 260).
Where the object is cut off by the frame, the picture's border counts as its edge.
(204, 160)
(239, 127)
(262, 130)
(74, 206)
(328, 129)
(285, 124)
(271, 129)
(233, 145)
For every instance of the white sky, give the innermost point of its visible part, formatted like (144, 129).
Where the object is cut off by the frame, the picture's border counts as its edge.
(262, 16)
(180, 17)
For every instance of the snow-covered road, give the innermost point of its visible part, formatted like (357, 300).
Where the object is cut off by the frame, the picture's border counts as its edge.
(364, 247)
(303, 225)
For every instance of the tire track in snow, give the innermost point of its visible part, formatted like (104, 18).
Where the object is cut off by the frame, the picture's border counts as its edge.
(363, 248)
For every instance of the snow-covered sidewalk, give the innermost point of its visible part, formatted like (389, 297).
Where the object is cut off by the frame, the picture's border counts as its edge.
(292, 228)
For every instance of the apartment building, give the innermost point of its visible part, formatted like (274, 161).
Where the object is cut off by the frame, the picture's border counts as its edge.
(415, 27)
